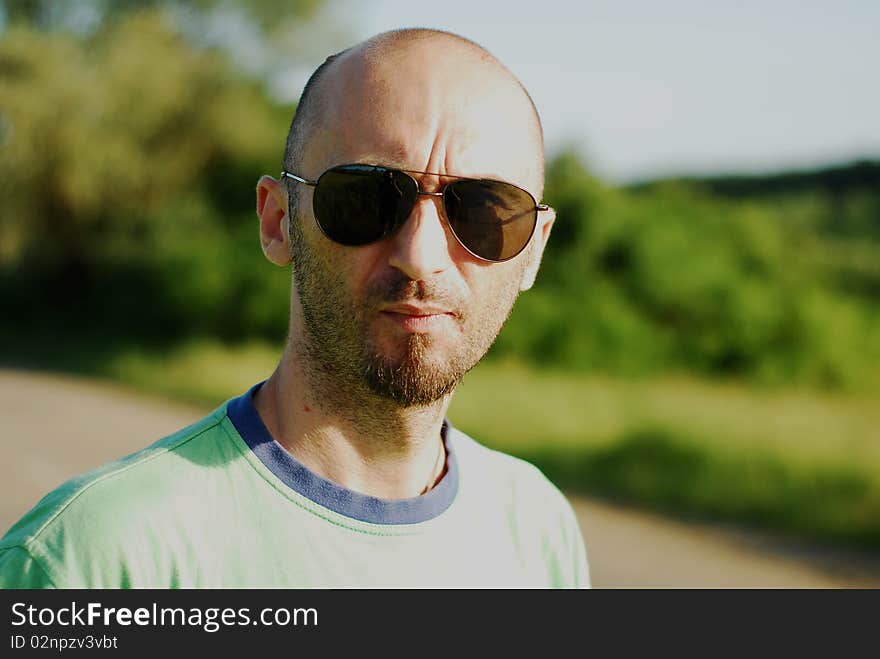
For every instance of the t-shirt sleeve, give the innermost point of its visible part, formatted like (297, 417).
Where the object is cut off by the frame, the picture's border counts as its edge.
(580, 574)
(18, 569)
(565, 549)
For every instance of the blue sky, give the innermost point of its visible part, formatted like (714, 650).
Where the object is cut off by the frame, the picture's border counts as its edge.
(680, 86)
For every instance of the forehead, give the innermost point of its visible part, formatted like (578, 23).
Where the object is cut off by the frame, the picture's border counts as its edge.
(459, 115)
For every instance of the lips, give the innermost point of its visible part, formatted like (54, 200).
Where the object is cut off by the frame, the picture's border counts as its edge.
(418, 319)
(417, 311)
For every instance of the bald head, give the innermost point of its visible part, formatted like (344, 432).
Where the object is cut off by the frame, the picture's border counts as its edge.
(378, 72)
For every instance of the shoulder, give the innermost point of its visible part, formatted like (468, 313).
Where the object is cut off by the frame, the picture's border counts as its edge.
(521, 488)
(538, 516)
(505, 473)
(117, 503)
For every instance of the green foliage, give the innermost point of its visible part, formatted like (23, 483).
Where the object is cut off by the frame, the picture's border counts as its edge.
(660, 468)
(671, 278)
(81, 15)
(127, 175)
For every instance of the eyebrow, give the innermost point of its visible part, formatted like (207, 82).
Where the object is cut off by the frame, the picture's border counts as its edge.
(397, 162)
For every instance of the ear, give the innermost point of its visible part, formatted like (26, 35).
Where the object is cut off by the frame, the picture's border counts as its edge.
(542, 233)
(274, 219)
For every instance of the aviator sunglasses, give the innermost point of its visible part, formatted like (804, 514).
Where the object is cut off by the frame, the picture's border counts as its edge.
(361, 204)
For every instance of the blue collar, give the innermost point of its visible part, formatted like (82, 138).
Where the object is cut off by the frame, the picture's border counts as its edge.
(294, 474)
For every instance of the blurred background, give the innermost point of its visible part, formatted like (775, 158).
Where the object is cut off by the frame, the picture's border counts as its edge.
(704, 336)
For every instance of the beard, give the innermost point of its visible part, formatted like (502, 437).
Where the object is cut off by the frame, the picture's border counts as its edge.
(415, 371)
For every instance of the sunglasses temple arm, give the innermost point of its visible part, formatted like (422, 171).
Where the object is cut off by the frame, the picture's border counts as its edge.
(519, 216)
(298, 179)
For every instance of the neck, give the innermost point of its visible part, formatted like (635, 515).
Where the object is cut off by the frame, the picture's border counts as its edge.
(351, 436)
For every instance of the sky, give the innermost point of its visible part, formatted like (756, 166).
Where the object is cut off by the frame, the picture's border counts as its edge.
(657, 88)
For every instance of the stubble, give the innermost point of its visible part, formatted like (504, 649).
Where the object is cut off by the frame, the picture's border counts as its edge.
(346, 367)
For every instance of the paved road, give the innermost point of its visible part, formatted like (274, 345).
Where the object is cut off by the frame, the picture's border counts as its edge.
(52, 427)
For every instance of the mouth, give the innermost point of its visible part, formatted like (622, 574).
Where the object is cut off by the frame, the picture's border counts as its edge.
(417, 318)
(416, 310)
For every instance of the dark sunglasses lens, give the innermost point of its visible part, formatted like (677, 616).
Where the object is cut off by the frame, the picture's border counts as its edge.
(494, 220)
(358, 205)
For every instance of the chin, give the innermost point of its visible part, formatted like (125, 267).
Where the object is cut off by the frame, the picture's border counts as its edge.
(416, 374)
(410, 348)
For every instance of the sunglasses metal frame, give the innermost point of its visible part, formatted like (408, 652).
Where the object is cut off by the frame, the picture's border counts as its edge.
(538, 207)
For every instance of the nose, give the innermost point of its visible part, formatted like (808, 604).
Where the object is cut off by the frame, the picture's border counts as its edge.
(421, 247)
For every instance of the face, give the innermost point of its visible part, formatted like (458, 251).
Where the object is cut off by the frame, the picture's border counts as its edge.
(408, 316)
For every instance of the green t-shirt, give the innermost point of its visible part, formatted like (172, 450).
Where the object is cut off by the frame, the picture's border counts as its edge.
(221, 504)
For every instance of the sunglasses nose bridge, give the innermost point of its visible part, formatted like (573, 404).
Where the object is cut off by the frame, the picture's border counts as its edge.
(420, 245)
(441, 211)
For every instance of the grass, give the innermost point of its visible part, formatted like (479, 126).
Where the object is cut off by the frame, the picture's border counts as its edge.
(203, 372)
(802, 461)
(521, 408)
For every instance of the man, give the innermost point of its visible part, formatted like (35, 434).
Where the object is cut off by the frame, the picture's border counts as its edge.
(408, 210)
